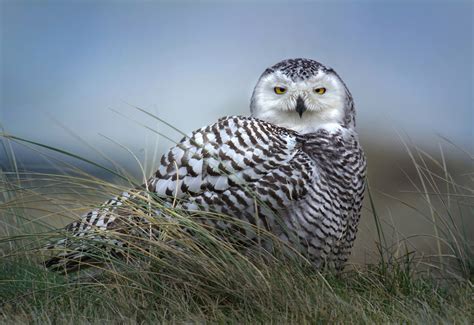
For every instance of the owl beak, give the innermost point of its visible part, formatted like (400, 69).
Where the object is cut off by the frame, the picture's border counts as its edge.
(300, 106)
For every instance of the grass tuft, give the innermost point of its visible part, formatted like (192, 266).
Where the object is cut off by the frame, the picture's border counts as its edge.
(188, 273)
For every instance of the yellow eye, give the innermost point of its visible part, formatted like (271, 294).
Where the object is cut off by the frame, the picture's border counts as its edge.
(319, 91)
(279, 90)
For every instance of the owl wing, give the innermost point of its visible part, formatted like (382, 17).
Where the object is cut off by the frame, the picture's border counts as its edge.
(224, 167)
(235, 153)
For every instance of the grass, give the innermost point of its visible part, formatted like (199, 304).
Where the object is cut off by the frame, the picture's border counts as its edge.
(201, 278)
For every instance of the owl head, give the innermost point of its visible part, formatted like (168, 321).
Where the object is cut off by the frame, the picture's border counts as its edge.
(303, 95)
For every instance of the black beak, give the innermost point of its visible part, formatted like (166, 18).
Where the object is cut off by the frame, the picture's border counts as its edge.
(300, 106)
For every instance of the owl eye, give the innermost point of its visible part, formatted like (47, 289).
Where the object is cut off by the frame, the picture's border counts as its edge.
(279, 90)
(320, 91)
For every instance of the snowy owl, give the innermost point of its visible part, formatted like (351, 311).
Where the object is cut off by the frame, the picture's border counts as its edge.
(294, 167)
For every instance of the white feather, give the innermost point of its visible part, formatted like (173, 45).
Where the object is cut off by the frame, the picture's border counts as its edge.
(324, 111)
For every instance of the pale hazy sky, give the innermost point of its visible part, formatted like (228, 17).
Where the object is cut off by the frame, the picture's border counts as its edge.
(409, 64)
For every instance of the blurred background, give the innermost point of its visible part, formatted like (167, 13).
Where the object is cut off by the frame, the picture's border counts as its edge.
(72, 72)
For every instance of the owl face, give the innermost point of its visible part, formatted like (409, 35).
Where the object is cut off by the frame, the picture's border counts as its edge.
(301, 95)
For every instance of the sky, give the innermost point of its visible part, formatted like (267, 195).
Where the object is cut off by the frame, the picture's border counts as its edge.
(72, 71)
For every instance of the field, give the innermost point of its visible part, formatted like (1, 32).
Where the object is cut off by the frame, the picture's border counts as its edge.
(392, 277)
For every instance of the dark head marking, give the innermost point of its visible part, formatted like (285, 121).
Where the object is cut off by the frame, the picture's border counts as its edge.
(297, 69)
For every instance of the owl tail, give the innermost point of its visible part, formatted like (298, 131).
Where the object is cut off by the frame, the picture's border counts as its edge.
(103, 235)
(75, 254)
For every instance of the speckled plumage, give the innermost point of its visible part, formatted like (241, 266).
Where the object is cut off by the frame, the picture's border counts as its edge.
(309, 185)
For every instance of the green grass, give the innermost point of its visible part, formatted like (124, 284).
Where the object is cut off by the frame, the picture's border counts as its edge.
(200, 278)
(278, 292)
